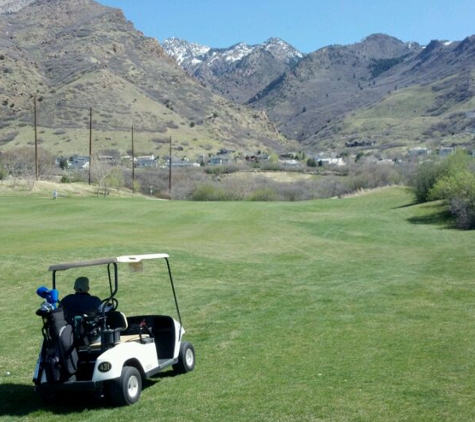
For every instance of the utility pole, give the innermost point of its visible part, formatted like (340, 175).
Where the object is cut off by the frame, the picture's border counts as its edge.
(133, 161)
(36, 138)
(90, 143)
(170, 171)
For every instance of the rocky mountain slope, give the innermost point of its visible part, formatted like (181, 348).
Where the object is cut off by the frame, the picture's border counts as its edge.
(76, 54)
(12, 6)
(330, 82)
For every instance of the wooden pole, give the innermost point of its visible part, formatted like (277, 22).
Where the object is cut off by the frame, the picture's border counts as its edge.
(170, 171)
(133, 161)
(90, 143)
(36, 138)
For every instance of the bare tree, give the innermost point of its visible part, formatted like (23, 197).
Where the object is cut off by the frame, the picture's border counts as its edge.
(100, 171)
(20, 164)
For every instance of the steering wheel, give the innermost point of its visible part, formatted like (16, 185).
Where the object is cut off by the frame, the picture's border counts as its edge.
(109, 304)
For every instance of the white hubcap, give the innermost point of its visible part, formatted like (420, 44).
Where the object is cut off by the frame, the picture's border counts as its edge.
(133, 386)
(189, 357)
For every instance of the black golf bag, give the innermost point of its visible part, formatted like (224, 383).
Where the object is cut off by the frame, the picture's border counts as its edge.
(59, 354)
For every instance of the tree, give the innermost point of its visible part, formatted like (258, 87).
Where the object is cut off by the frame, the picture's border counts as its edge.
(100, 172)
(311, 162)
(115, 178)
(426, 177)
(20, 164)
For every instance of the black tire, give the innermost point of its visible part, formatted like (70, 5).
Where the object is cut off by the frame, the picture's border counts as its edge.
(186, 359)
(126, 390)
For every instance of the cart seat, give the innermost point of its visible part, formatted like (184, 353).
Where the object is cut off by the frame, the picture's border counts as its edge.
(116, 320)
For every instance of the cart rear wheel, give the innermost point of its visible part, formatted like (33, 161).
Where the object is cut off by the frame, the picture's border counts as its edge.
(186, 359)
(127, 389)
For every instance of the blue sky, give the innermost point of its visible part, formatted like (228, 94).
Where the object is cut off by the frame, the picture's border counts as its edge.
(306, 24)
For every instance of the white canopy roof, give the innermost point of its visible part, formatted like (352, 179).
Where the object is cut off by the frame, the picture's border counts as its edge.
(105, 261)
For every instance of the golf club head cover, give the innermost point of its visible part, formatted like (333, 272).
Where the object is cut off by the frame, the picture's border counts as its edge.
(42, 292)
(53, 298)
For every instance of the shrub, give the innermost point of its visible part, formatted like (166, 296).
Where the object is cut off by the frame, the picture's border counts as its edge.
(311, 162)
(207, 192)
(454, 183)
(426, 177)
(264, 194)
(457, 189)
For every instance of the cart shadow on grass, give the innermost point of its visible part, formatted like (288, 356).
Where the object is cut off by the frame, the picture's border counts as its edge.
(20, 400)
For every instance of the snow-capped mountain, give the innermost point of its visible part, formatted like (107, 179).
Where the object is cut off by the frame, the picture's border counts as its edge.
(224, 69)
(185, 53)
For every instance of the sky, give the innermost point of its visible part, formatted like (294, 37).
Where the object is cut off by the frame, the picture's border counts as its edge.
(308, 25)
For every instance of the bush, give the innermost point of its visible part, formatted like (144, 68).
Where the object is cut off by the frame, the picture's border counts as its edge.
(455, 184)
(457, 189)
(265, 194)
(208, 192)
(426, 177)
(311, 162)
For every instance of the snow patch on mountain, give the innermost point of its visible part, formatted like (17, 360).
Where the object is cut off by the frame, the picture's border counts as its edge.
(183, 51)
(192, 56)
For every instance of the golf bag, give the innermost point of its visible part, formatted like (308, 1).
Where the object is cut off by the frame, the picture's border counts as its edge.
(60, 357)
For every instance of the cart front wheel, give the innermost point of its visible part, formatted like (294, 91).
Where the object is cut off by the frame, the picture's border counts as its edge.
(186, 359)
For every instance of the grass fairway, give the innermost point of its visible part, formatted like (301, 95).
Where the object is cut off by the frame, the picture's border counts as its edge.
(354, 309)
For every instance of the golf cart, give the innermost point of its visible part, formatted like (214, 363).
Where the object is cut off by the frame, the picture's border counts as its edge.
(105, 352)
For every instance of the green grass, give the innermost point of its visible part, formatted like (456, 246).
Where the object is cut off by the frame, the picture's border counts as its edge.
(357, 309)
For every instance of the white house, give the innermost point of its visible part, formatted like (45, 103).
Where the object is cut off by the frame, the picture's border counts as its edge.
(331, 161)
(419, 151)
(79, 162)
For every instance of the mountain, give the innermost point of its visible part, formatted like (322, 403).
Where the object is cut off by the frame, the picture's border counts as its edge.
(239, 72)
(74, 55)
(331, 82)
(380, 92)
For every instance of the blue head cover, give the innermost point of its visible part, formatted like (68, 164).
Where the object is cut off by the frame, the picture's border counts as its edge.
(51, 296)
(54, 295)
(42, 292)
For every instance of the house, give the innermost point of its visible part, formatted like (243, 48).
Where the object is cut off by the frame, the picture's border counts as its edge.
(290, 162)
(179, 162)
(219, 160)
(331, 161)
(79, 162)
(446, 151)
(145, 161)
(418, 151)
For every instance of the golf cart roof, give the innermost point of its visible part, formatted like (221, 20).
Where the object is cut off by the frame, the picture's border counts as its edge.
(104, 261)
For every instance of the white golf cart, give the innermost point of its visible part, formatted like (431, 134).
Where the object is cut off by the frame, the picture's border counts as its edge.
(107, 353)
